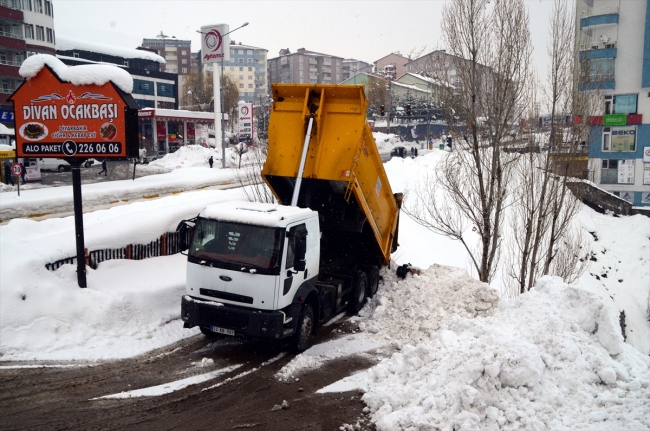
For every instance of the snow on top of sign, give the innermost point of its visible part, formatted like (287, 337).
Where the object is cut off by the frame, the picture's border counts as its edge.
(98, 74)
(68, 44)
(4, 130)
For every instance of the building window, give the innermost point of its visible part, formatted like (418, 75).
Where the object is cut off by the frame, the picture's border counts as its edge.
(240, 61)
(48, 7)
(75, 54)
(184, 70)
(249, 60)
(241, 52)
(126, 63)
(249, 51)
(184, 61)
(624, 104)
(29, 31)
(241, 85)
(27, 5)
(250, 85)
(38, 6)
(241, 77)
(241, 69)
(600, 69)
(609, 172)
(232, 68)
(623, 138)
(40, 32)
(250, 68)
(250, 76)
(183, 52)
(50, 35)
(607, 138)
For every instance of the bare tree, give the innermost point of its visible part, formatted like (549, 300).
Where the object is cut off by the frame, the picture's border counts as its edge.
(199, 91)
(489, 49)
(544, 240)
(249, 177)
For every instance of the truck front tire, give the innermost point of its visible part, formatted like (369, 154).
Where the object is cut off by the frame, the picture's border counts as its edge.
(359, 289)
(302, 337)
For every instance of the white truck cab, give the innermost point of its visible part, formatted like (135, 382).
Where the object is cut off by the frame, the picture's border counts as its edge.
(250, 268)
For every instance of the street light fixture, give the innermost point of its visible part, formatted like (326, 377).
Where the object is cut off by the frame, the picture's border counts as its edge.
(216, 84)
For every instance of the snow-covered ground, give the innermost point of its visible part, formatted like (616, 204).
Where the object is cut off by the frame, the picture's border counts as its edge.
(456, 356)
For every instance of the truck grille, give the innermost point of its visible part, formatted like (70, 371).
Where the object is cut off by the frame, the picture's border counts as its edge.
(226, 295)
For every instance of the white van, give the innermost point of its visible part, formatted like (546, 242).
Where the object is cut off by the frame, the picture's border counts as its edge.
(54, 165)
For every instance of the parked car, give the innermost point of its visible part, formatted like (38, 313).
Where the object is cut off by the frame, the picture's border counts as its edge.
(91, 162)
(47, 164)
(398, 152)
(155, 156)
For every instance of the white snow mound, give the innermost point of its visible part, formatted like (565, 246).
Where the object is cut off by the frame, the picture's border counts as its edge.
(552, 358)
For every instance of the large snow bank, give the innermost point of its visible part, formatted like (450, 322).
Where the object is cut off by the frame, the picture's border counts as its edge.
(552, 358)
(97, 74)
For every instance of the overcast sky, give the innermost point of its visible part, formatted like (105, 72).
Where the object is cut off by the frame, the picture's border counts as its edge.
(364, 30)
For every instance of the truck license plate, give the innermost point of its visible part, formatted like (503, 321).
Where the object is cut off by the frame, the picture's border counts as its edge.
(223, 331)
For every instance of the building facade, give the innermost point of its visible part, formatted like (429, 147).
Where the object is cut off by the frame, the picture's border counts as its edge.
(247, 69)
(151, 87)
(178, 58)
(614, 52)
(305, 67)
(351, 67)
(26, 28)
(391, 66)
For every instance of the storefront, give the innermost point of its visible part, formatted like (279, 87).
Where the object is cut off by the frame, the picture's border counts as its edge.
(167, 129)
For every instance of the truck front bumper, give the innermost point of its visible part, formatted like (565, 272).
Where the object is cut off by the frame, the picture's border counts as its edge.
(245, 322)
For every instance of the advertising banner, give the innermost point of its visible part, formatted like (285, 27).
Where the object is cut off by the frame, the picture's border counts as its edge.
(59, 119)
(624, 139)
(646, 154)
(245, 122)
(215, 43)
(615, 120)
(626, 171)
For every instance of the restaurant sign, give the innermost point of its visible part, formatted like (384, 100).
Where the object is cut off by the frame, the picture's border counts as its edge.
(54, 118)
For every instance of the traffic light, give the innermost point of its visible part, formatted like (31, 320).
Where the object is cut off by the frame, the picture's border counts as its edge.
(382, 112)
(408, 110)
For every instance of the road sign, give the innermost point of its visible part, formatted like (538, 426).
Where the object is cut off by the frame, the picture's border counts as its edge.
(17, 169)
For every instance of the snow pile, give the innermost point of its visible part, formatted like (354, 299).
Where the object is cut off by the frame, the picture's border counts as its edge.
(406, 311)
(64, 43)
(91, 74)
(552, 358)
(187, 156)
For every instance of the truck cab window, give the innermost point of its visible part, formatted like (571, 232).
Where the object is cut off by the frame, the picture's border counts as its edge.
(292, 237)
(236, 243)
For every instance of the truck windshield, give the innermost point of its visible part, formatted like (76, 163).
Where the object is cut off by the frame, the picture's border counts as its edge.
(237, 243)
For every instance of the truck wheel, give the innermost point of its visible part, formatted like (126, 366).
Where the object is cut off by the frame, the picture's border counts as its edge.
(360, 286)
(61, 168)
(302, 336)
(373, 280)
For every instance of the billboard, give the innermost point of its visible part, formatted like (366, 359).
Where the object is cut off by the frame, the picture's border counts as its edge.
(215, 43)
(59, 119)
(245, 122)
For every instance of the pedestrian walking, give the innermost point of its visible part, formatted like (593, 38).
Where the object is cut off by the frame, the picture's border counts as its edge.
(22, 172)
(416, 151)
(8, 174)
(210, 161)
(412, 152)
(103, 168)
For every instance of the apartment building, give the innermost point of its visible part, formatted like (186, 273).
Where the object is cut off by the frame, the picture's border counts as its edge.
(247, 69)
(614, 50)
(26, 28)
(305, 67)
(178, 58)
(391, 66)
(352, 66)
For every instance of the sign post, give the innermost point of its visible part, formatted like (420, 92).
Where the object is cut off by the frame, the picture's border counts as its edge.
(75, 118)
(17, 170)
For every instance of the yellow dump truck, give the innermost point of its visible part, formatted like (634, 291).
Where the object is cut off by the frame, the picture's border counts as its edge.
(276, 271)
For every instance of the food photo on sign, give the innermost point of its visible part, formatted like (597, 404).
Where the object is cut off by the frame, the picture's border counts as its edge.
(75, 112)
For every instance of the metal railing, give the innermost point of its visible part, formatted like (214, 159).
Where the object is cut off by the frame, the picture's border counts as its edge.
(17, 5)
(11, 35)
(601, 11)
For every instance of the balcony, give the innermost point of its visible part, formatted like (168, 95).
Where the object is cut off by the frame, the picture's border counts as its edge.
(595, 53)
(599, 17)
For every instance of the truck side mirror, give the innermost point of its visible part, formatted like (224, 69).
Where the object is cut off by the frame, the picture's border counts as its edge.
(185, 229)
(299, 263)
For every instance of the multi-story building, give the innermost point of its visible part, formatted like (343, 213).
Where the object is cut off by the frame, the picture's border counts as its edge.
(178, 58)
(247, 69)
(305, 67)
(614, 51)
(26, 28)
(351, 67)
(151, 87)
(391, 66)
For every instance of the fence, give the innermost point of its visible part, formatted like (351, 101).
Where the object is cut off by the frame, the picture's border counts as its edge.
(168, 243)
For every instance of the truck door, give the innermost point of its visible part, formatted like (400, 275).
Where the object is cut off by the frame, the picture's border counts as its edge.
(294, 270)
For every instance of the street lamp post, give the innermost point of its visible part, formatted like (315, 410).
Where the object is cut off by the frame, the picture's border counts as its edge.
(218, 95)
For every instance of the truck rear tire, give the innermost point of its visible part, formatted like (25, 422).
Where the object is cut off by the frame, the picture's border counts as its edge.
(359, 289)
(302, 337)
(372, 273)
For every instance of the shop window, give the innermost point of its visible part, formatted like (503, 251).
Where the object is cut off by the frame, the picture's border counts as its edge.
(621, 104)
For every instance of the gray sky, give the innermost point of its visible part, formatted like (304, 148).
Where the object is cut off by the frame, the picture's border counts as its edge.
(365, 30)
